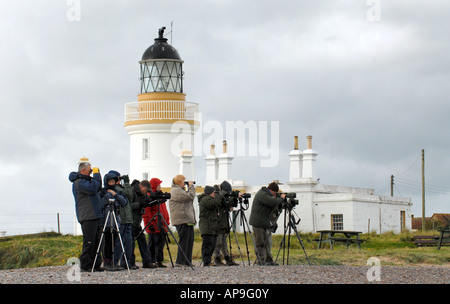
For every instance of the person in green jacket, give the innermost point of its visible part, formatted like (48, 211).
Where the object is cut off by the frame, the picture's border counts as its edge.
(223, 229)
(125, 229)
(263, 206)
(209, 203)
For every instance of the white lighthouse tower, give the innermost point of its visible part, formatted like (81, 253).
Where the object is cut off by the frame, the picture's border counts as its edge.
(161, 124)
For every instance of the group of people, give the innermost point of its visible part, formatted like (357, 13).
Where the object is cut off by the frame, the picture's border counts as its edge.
(118, 204)
(99, 208)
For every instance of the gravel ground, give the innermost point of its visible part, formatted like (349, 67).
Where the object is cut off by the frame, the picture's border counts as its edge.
(289, 274)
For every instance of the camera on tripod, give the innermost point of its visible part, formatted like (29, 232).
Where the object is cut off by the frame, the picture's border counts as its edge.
(232, 198)
(289, 201)
(153, 198)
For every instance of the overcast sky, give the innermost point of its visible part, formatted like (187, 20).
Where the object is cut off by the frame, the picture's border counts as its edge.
(369, 80)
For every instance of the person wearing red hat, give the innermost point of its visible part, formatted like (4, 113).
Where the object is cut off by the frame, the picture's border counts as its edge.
(156, 238)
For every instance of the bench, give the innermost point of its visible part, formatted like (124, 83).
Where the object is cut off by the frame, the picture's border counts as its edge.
(425, 240)
(328, 236)
(431, 240)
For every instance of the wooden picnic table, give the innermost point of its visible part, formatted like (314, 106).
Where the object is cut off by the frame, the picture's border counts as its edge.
(351, 237)
(442, 238)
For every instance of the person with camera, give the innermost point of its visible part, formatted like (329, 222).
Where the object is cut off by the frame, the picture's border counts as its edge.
(137, 196)
(263, 206)
(88, 207)
(126, 217)
(181, 205)
(112, 201)
(223, 227)
(209, 203)
(156, 231)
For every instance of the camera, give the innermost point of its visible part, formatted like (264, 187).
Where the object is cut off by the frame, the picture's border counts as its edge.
(246, 195)
(153, 198)
(187, 183)
(289, 201)
(232, 198)
(161, 195)
(232, 194)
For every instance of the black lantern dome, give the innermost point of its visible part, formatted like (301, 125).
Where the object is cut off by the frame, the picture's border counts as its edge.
(161, 67)
(161, 49)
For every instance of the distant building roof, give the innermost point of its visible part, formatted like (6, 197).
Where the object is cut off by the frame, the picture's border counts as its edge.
(442, 218)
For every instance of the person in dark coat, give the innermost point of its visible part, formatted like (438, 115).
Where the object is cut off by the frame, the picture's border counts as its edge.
(223, 229)
(263, 206)
(112, 201)
(126, 222)
(209, 203)
(136, 195)
(89, 210)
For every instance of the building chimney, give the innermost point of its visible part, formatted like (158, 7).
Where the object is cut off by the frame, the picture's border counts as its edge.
(309, 142)
(186, 165)
(224, 164)
(295, 163)
(309, 161)
(211, 167)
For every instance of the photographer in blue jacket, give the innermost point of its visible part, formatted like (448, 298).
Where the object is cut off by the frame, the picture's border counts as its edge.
(89, 210)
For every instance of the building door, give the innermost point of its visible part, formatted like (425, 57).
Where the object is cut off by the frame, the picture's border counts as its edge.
(402, 220)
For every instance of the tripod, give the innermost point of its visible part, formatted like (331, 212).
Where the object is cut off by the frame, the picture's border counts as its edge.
(243, 221)
(292, 224)
(164, 229)
(111, 215)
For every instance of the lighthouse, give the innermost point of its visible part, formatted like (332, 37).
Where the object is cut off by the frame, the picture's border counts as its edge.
(161, 123)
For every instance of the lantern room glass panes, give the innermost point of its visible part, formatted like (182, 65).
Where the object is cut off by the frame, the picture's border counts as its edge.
(161, 76)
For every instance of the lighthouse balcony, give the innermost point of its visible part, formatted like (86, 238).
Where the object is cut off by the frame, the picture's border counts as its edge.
(160, 111)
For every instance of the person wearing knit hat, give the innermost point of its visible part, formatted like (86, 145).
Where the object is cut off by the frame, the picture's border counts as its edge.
(156, 236)
(209, 203)
(223, 228)
(263, 206)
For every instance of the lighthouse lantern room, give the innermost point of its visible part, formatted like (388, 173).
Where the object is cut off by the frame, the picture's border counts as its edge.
(161, 124)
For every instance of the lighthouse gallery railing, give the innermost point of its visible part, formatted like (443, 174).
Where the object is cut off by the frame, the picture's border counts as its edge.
(160, 109)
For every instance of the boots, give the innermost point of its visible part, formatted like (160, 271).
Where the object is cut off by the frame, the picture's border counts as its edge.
(229, 261)
(218, 261)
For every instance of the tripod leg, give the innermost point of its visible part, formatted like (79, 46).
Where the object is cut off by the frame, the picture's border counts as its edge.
(235, 236)
(101, 239)
(258, 256)
(121, 244)
(143, 229)
(166, 240)
(282, 244)
(292, 222)
(173, 236)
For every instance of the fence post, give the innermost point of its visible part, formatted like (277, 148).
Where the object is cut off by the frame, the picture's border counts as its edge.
(57, 218)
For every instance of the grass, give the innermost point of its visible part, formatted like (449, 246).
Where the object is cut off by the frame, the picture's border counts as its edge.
(53, 249)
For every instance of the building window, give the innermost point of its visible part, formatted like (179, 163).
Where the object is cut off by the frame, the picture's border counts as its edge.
(337, 222)
(145, 148)
(145, 176)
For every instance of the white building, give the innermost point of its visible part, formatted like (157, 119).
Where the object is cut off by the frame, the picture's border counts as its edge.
(326, 207)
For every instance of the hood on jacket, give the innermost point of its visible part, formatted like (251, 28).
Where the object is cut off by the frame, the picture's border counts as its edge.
(109, 176)
(225, 186)
(73, 176)
(155, 182)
